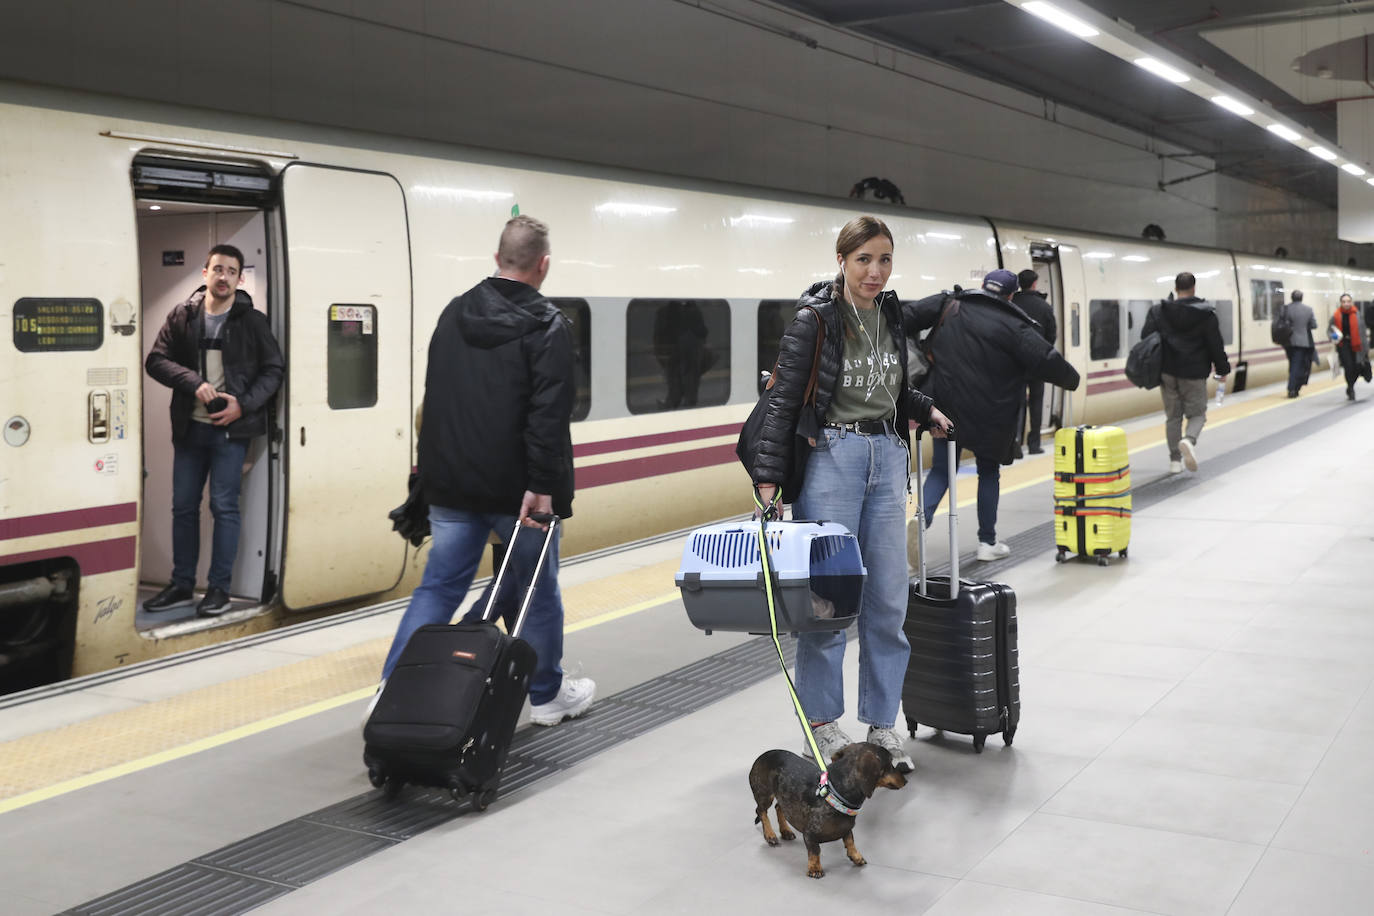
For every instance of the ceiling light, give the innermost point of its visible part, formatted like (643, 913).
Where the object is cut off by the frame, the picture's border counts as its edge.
(1098, 255)
(1321, 152)
(944, 235)
(1353, 169)
(622, 209)
(1230, 104)
(1136, 258)
(755, 218)
(1369, 181)
(155, 207)
(1287, 133)
(1161, 70)
(464, 193)
(1055, 16)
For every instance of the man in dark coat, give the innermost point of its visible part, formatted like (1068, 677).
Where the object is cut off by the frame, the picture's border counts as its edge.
(1192, 347)
(983, 349)
(217, 354)
(1034, 304)
(1300, 348)
(495, 449)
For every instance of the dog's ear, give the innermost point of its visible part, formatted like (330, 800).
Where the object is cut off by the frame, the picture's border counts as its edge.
(869, 769)
(838, 754)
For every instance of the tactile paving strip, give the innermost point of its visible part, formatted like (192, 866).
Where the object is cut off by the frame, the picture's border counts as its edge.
(246, 874)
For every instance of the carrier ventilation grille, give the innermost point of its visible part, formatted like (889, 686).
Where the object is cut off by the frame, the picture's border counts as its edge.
(728, 549)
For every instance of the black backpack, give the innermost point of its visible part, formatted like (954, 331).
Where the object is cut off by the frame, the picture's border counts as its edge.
(1281, 328)
(1145, 362)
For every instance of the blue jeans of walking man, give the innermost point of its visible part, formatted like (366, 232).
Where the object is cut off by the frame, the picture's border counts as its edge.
(860, 482)
(206, 451)
(458, 542)
(989, 490)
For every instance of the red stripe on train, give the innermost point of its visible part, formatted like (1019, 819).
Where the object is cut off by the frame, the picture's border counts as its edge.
(29, 525)
(678, 435)
(92, 558)
(600, 475)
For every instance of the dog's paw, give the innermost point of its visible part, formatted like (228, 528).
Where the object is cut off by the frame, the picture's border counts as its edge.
(815, 872)
(771, 840)
(858, 860)
(788, 835)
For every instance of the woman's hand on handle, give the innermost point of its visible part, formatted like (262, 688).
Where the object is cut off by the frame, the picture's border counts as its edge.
(766, 493)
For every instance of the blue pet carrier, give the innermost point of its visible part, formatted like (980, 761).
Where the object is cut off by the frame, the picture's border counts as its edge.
(818, 577)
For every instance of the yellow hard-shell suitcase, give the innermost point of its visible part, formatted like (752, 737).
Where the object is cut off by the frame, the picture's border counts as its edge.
(1092, 492)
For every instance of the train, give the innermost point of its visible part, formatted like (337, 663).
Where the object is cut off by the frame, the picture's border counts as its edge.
(354, 242)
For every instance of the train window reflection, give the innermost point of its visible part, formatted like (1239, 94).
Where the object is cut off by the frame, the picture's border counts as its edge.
(1225, 320)
(579, 316)
(677, 354)
(1136, 310)
(351, 356)
(774, 317)
(1266, 298)
(1104, 328)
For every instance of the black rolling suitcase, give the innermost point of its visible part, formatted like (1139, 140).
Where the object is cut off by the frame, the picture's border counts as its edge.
(447, 713)
(963, 675)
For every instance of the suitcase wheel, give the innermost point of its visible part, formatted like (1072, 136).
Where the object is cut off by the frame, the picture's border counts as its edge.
(376, 777)
(1061, 555)
(979, 739)
(481, 800)
(911, 725)
(1102, 561)
(1008, 735)
(393, 787)
(1122, 553)
(458, 793)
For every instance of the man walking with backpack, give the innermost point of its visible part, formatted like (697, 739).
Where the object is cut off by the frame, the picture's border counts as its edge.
(1292, 329)
(1191, 346)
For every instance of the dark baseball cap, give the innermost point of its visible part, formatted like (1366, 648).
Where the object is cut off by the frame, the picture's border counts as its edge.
(1001, 282)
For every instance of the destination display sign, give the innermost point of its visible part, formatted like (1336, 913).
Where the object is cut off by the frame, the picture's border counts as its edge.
(53, 325)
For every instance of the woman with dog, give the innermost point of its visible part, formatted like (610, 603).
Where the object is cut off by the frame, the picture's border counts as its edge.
(855, 473)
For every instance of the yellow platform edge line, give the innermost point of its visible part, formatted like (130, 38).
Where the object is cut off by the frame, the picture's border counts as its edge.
(185, 750)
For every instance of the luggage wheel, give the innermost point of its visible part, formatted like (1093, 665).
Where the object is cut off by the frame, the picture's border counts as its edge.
(481, 800)
(1101, 561)
(393, 787)
(912, 725)
(1061, 555)
(376, 777)
(979, 739)
(1008, 735)
(458, 793)
(1122, 553)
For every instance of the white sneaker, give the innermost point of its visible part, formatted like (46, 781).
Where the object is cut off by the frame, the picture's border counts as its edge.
(574, 698)
(987, 552)
(372, 703)
(1189, 451)
(1175, 467)
(829, 738)
(890, 741)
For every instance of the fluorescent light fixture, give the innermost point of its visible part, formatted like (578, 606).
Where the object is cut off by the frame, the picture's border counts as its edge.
(680, 267)
(623, 209)
(1233, 106)
(1057, 17)
(1287, 133)
(1321, 152)
(1322, 273)
(761, 271)
(754, 219)
(1208, 273)
(1352, 169)
(1161, 70)
(155, 207)
(1164, 279)
(1307, 273)
(1136, 258)
(1258, 267)
(462, 193)
(927, 277)
(1098, 255)
(944, 235)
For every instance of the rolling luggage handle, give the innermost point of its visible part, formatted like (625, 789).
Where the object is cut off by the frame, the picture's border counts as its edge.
(543, 518)
(953, 516)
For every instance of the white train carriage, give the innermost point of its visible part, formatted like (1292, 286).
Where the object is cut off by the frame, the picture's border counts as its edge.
(354, 244)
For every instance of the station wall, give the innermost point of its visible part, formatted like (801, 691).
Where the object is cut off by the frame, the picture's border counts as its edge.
(737, 91)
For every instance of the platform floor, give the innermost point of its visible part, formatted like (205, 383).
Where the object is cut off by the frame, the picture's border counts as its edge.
(1197, 726)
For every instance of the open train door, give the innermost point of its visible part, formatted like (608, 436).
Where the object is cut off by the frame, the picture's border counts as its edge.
(1045, 262)
(347, 431)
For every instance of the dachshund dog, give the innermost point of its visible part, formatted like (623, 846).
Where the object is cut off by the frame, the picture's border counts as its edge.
(855, 771)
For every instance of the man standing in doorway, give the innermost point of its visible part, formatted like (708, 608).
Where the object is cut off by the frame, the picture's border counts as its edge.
(1034, 304)
(1300, 347)
(217, 354)
(496, 448)
(1192, 346)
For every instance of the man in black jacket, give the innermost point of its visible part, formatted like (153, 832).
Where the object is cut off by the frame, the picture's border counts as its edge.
(496, 448)
(1192, 347)
(1034, 304)
(983, 349)
(217, 354)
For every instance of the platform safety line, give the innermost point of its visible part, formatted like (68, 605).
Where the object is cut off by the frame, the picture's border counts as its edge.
(623, 612)
(175, 753)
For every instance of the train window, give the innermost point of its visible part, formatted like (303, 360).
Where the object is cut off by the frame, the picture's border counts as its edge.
(1076, 335)
(1266, 298)
(55, 325)
(1136, 310)
(774, 317)
(351, 356)
(579, 316)
(677, 354)
(1104, 328)
(1224, 319)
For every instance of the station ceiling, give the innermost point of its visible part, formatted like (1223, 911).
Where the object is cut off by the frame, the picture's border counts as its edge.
(998, 41)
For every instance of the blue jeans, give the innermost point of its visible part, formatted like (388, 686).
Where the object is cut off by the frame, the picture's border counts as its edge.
(1299, 366)
(860, 482)
(458, 541)
(206, 451)
(989, 490)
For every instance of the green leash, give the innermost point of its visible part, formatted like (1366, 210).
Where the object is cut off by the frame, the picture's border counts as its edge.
(767, 513)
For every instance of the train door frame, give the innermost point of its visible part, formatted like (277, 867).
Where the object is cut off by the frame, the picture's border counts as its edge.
(203, 185)
(1045, 262)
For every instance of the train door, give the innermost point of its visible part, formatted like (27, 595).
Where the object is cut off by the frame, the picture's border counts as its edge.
(183, 208)
(348, 409)
(1045, 262)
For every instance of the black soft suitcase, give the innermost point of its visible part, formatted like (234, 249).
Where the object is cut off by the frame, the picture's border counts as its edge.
(447, 713)
(962, 675)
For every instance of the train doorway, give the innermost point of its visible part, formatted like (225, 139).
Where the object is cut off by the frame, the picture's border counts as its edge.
(1045, 262)
(182, 209)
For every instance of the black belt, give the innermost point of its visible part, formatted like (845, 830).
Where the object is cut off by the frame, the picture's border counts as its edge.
(863, 427)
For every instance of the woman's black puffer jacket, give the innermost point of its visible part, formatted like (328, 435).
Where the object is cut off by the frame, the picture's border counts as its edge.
(786, 413)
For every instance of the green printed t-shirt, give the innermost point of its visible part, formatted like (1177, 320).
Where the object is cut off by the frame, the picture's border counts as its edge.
(869, 381)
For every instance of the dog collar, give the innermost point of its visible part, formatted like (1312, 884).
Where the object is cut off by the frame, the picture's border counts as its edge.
(832, 798)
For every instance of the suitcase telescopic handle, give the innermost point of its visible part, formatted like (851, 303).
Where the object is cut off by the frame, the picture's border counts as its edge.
(953, 469)
(543, 518)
